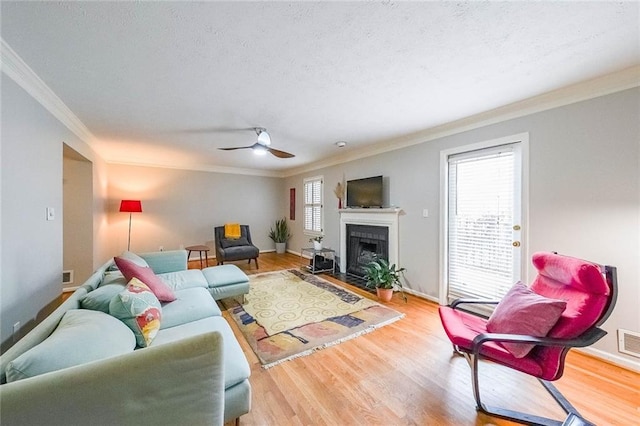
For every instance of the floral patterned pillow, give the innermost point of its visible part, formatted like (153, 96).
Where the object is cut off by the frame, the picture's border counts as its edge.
(139, 309)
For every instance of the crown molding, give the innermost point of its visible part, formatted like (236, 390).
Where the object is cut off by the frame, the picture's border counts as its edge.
(16, 69)
(589, 89)
(204, 168)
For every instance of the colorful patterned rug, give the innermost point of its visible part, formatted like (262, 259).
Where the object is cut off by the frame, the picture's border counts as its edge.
(288, 314)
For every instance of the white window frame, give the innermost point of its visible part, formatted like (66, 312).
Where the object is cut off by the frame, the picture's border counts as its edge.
(305, 182)
(523, 139)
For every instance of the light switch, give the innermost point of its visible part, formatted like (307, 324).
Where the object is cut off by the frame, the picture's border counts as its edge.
(51, 214)
(425, 213)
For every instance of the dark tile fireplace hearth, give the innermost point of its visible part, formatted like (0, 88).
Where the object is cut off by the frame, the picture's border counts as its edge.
(365, 243)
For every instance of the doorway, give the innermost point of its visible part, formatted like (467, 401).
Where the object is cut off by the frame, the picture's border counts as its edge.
(483, 230)
(77, 222)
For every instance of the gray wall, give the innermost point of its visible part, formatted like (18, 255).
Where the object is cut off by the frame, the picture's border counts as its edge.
(181, 207)
(31, 253)
(31, 182)
(584, 195)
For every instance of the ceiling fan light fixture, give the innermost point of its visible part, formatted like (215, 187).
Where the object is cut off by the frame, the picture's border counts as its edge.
(261, 146)
(259, 149)
(263, 136)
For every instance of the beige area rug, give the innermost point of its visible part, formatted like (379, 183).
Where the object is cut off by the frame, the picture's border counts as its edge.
(288, 314)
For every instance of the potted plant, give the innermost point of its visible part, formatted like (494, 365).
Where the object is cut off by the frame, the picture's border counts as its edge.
(280, 235)
(384, 278)
(317, 242)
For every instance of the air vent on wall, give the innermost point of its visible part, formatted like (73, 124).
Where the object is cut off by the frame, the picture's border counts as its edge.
(67, 277)
(629, 342)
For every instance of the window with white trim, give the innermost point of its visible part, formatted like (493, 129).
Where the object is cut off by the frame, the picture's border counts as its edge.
(313, 210)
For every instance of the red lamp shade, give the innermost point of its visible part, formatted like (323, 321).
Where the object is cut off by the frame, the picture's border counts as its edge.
(131, 206)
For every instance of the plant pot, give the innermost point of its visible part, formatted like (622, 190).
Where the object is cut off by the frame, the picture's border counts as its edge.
(317, 245)
(384, 294)
(281, 248)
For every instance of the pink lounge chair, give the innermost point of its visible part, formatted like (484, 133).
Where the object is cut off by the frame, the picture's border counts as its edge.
(589, 291)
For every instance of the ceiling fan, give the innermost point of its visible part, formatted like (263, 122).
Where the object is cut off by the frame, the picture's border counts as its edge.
(261, 147)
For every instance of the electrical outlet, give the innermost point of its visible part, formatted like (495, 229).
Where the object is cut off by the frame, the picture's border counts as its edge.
(16, 331)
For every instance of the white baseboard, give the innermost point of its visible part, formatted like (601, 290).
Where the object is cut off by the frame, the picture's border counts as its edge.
(421, 295)
(612, 358)
(297, 253)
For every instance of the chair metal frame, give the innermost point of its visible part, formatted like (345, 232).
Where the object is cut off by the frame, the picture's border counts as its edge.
(587, 338)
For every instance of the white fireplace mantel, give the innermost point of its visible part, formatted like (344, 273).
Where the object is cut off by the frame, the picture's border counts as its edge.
(388, 218)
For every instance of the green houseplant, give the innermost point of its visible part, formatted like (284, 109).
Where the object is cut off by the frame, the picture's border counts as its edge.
(280, 235)
(384, 278)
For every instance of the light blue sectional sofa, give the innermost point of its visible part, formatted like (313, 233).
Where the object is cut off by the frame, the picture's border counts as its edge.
(81, 365)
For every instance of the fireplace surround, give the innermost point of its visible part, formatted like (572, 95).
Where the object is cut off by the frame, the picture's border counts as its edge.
(367, 220)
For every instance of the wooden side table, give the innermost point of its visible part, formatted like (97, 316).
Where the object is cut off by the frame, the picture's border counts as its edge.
(199, 249)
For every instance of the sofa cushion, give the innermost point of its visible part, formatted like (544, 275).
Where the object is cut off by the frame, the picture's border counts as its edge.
(236, 367)
(129, 255)
(113, 277)
(523, 311)
(99, 299)
(81, 336)
(146, 275)
(233, 290)
(191, 304)
(184, 279)
(166, 261)
(139, 309)
(218, 276)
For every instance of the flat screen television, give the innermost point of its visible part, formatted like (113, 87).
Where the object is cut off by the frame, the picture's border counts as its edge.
(365, 193)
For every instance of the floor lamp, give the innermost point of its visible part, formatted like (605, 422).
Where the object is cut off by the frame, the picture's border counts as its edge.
(130, 206)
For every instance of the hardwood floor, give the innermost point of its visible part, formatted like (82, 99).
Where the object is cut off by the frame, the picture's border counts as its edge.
(406, 374)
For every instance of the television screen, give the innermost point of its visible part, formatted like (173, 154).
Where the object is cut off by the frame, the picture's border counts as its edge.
(365, 192)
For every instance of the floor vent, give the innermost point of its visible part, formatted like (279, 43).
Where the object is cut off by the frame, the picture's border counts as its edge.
(67, 277)
(629, 342)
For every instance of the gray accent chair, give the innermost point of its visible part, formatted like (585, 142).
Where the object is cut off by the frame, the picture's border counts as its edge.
(235, 249)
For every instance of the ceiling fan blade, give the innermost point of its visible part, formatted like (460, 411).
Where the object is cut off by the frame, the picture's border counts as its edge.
(280, 154)
(237, 147)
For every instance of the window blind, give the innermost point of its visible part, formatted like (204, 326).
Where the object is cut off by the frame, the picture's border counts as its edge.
(481, 206)
(313, 206)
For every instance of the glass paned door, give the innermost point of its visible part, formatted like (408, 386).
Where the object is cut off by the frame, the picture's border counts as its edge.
(484, 222)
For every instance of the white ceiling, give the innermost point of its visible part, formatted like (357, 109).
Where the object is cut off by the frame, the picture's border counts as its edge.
(167, 83)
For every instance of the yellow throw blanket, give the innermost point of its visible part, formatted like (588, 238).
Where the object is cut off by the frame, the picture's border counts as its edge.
(232, 231)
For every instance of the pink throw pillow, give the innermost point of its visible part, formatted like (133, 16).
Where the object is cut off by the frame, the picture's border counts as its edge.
(522, 311)
(145, 274)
